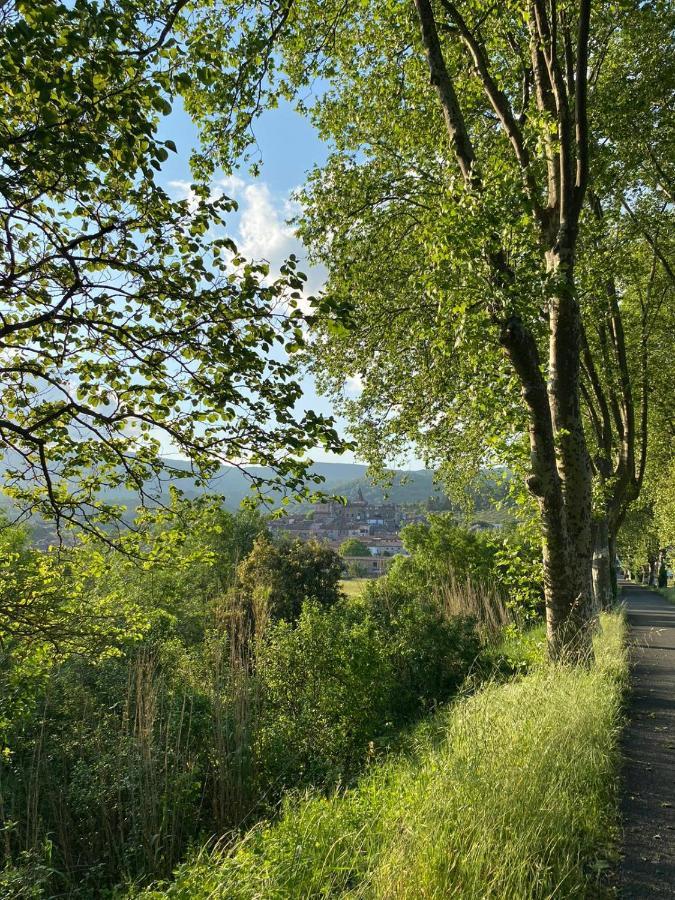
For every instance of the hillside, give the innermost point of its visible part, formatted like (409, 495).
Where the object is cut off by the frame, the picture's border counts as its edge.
(340, 479)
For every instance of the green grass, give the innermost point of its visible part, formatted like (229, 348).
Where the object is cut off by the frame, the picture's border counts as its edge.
(353, 587)
(668, 593)
(509, 793)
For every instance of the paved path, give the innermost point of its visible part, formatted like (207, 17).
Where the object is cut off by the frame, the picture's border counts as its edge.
(648, 798)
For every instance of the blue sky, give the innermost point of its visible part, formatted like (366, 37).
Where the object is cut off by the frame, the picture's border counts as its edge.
(289, 147)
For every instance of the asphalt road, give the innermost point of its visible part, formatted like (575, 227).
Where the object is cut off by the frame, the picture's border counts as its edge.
(647, 868)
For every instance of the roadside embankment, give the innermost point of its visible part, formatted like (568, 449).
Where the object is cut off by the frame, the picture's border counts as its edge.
(508, 792)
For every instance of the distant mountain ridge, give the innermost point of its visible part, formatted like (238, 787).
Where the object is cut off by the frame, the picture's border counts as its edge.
(339, 479)
(343, 479)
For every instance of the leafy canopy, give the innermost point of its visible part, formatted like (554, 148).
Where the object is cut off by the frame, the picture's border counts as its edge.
(129, 324)
(354, 547)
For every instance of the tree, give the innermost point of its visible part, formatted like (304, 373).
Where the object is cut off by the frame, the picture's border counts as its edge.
(626, 270)
(282, 576)
(452, 217)
(518, 179)
(354, 547)
(624, 355)
(48, 609)
(127, 320)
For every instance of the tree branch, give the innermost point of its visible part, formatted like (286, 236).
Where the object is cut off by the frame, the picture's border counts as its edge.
(499, 103)
(445, 88)
(580, 104)
(651, 240)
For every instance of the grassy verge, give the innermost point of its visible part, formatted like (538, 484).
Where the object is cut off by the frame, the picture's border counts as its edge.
(515, 799)
(668, 593)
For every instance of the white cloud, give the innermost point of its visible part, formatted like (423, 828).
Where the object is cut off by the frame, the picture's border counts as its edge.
(354, 384)
(260, 227)
(184, 190)
(262, 230)
(232, 185)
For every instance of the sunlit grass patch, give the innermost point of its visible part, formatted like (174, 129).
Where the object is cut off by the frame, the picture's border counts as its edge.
(353, 587)
(516, 799)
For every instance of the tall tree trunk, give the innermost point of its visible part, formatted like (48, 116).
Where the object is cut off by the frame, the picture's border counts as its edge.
(567, 605)
(611, 543)
(573, 461)
(603, 593)
(651, 578)
(561, 470)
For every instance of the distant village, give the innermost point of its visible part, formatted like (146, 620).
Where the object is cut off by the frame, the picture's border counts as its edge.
(376, 525)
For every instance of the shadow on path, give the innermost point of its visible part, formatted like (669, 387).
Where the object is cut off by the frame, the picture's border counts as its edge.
(648, 790)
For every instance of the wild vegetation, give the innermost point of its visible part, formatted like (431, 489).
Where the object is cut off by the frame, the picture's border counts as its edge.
(188, 707)
(507, 793)
(496, 229)
(177, 698)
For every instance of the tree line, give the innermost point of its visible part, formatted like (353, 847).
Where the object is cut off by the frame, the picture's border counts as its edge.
(495, 218)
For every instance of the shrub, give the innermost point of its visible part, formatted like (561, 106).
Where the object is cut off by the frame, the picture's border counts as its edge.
(512, 794)
(354, 547)
(287, 574)
(439, 548)
(344, 679)
(326, 689)
(430, 651)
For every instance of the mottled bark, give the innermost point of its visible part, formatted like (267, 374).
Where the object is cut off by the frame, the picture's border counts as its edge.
(567, 606)
(573, 461)
(612, 566)
(603, 592)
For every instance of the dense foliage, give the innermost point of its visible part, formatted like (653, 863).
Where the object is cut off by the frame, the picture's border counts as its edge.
(508, 793)
(128, 321)
(354, 547)
(282, 576)
(495, 217)
(176, 697)
(443, 553)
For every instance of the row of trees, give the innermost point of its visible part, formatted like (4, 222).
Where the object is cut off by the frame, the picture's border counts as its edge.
(495, 217)
(496, 223)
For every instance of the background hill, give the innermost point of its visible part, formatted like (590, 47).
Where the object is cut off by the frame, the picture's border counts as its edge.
(408, 488)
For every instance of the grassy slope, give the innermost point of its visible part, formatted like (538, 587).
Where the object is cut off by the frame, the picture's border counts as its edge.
(509, 794)
(668, 593)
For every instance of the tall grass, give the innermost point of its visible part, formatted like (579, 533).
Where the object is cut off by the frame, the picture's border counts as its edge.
(511, 794)
(127, 762)
(482, 601)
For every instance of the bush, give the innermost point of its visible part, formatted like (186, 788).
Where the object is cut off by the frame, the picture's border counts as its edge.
(512, 794)
(326, 689)
(502, 569)
(284, 575)
(354, 547)
(430, 652)
(112, 768)
(121, 743)
(441, 549)
(339, 684)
